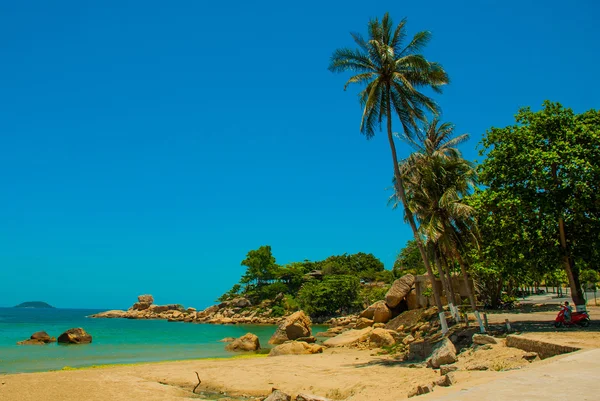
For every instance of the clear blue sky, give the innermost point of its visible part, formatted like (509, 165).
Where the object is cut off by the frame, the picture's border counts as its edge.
(146, 146)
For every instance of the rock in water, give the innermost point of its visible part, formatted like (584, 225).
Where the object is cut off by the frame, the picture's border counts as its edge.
(38, 338)
(277, 395)
(483, 339)
(296, 348)
(295, 326)
(146, 299)
(400, 288)
(75, 336)
(247, 342)
(443, 354)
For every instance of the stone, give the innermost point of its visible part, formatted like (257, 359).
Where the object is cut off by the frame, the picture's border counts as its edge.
(29, 341)
(75, 336)
(444, 370)
(443, 354)
(484, 347)
(296, 348)
(111, 314)
(382, 338)
(240, 302)
(227, 340)
(379, 326)
(146, 299)
(349, 337)
(247, 342)
(420, 390)
(310, 340)
(310, 397)
(446, 381)
(531, 356)
(295, 326)
(140, 306)
(483, 339)
(478, 367)
(42, 336)
(277, 395)
(408, 339)
(369, 313)
(211, 309)
(363, 322)
(190, 310)
(399, 290)
(382, 313)
(411, 300)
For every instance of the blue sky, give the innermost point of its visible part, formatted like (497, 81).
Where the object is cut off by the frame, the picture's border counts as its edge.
(145, 147)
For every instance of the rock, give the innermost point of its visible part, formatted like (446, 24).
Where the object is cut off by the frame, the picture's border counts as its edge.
(399, 289)
(227, 340)
(420, 390)
(485, 347)
(140, 306)
(363, 322)
(408, 339)
(295, 326)
(443, 354)
(190, 310)
(369, 313)
(478, 367)
(310, 340)
(296, 348)
(444, 370)
(75, 336)
(146, 299)
(42, 336)
(446, 381)
(247, 342)
(382, 338)
(349, 337)
(310, 397)
(531, 356)
(379, 326)
(211, 309)
(382, 313)
(111, 314)
(277, 395)
(482, 339)
(29, 341)
(411, 300)
(240, 302)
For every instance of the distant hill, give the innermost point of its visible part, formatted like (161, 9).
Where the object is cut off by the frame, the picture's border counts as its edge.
(34, 304)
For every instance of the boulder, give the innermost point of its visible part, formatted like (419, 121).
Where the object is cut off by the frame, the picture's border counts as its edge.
(75, 336)
(111, 314)
(444, 370)
(140, 306)
(420, 390)
(363, 322)
(240, 303)
(446, 381)
(29, 341)
(408, 339)
(38, 338)
(531, 356)
(411, 300)
(483, 339)
(382, 338)
(310, 340)
(190, 310)
(247, 342)
(295, 326)
(211, 309)
(277, 395)
(296, 348)
(349, 337)
(443, 354)
(227, 340)
(146, 299)
(310, 397)
(399, 289)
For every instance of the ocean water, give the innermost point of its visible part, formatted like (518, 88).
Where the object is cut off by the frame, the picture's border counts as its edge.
(114, 340)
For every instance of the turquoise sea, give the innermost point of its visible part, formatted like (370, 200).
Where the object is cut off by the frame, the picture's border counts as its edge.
(114, 340)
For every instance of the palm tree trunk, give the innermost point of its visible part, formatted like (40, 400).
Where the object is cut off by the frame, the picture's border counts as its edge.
(450, 286)
(410, 217)
(443, 278)
(470, 291)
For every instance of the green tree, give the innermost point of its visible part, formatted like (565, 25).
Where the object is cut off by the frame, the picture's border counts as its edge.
(409, 261)
(260, 266)
(332, 295)
(394, 75)
(547, 167)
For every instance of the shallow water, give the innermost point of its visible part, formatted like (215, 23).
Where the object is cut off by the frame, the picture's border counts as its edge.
(114, 340)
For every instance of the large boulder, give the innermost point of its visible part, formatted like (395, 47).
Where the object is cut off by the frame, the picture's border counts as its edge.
(382, 338)
(382, 314)
(75, 336)
(443, 354)
(399, 290)
(146, 299)
(349, 337)
(296, 348)
(295, 326)
(247, 342)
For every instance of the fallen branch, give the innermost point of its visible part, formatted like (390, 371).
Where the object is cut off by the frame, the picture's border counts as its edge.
(199, 381)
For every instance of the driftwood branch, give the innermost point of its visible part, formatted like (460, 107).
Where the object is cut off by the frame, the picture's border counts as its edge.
(199, 381)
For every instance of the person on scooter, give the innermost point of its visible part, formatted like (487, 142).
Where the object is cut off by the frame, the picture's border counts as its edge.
(568, 310)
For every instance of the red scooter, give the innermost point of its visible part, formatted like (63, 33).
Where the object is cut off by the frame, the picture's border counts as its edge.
(577, 318)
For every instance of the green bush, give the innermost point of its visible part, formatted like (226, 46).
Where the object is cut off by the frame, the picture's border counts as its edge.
(335, 294)
(277, 311)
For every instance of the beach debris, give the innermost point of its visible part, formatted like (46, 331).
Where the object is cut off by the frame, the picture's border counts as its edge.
(38, 338)
(277, 395)
(296, 348)
(247, 342)
(199, 381)
(443, 354)
(483, 339)
(75, 336)
(295, 326)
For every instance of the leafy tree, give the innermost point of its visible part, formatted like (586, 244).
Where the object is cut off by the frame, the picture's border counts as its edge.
(409, 261)
(546, 168)
(332, 295)
(393, 74)
(260, 266)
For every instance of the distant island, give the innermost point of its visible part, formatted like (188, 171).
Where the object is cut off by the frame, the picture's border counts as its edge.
(34, 304)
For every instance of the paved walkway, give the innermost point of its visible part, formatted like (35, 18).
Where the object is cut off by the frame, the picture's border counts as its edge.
(574, 377)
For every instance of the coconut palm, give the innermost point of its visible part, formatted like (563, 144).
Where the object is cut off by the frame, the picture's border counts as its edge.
(393, 73)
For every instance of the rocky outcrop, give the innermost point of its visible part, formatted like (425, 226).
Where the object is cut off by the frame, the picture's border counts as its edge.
(38, 338)
(75, 336)
(399, 290)
(296, 348)
(349, 337)
(247, 342)
(443, 354)
(295, 326)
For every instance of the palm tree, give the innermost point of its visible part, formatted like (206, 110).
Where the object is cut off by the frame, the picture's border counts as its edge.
(393, 75)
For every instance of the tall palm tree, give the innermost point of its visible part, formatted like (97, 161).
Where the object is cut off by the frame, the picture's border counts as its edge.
(394, 75)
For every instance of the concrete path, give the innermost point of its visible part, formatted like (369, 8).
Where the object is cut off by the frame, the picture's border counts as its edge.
(574, 378)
